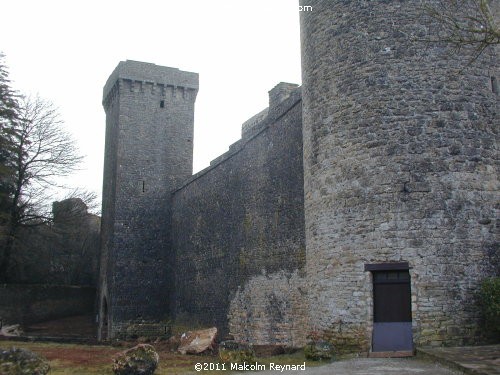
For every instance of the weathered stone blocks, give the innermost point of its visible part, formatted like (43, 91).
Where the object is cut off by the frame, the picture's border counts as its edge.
(270, 309)
(238, 232)
(148, 153)
(395, 168)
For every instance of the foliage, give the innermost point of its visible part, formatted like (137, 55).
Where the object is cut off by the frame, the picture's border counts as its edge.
(489, 297)
(42, 151)
(8, 102)
(318, 350)
(9, 111)
(231, 352)
(35, 152)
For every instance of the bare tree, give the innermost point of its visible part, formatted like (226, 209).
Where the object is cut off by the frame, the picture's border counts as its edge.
(465, 23)
(90, 198)
(74, 209)
(44, 152)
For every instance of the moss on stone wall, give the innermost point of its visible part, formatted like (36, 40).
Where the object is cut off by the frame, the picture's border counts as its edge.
(347, 338)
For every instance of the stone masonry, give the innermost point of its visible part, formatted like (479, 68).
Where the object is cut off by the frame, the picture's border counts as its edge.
(400, 165)
(149, 151)
(241, 220)
(386, 157)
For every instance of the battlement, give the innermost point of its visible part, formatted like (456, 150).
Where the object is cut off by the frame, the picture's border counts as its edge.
(152, 74)
(280, 92)
(251, 129)
(279, 102)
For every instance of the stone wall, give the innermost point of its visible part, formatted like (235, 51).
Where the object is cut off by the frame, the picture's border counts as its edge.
(270, 309)
(239, 222)
(400, 164)
(26, 304)
(396, 162)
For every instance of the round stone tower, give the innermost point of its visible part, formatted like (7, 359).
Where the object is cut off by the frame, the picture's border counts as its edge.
(400, 174)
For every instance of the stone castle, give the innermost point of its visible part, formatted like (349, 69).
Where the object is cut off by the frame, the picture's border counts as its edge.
(361, 206)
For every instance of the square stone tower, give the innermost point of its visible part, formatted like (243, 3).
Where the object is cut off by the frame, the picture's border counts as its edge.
(149, 151)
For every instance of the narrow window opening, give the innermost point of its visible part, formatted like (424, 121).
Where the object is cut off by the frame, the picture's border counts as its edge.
(143, 186)
(162, 104)
(494, 85)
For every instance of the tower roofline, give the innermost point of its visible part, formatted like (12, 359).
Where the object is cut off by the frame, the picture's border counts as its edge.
(142, 71)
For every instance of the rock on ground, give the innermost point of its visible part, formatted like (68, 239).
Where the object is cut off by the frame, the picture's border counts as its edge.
(141, 359)
(11, 330)
(17, 361)
(197, 341)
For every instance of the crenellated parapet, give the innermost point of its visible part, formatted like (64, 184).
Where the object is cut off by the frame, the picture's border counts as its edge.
(146, 78)
(281, 98)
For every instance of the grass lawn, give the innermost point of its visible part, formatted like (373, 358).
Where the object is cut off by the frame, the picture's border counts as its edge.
(72, 359)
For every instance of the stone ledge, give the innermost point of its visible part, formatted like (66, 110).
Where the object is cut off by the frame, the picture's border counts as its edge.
(396, 354)
(475, 360)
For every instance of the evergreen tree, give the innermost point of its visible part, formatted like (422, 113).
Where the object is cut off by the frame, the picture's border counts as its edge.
(9, 114)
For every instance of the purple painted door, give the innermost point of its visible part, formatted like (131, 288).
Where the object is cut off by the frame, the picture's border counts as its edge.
(392, 311)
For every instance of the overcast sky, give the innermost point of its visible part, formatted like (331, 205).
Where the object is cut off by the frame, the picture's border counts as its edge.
(65, 50)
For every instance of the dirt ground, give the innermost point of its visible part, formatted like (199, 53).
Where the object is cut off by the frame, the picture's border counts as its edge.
(92, 359)
(76, 359)
(79, 359)
(66, 359)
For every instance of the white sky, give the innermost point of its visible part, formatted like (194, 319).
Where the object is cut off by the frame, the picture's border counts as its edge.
(65, 50)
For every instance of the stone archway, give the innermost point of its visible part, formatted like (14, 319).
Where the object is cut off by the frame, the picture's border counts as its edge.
(104, 320)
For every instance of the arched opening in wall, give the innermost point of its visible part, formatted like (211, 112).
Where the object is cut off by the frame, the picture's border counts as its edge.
(104, 320)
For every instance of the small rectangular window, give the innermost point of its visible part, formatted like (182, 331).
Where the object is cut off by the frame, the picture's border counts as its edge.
(494, 85)
(162, 104)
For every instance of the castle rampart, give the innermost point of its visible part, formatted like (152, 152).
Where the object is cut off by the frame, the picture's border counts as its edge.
(238, 233)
